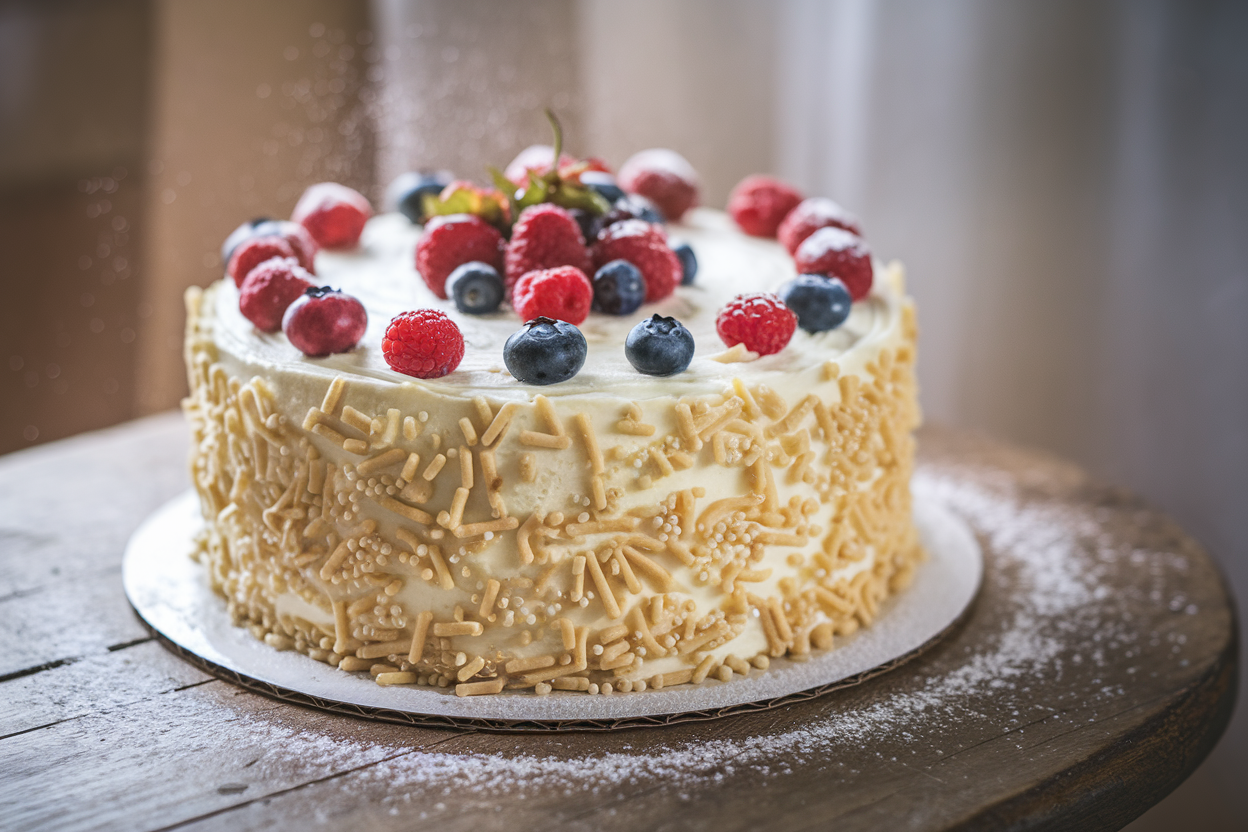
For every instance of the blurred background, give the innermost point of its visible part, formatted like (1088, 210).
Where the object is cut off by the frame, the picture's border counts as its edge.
(1067, 183)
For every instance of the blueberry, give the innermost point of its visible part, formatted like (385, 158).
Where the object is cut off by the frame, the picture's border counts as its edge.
(659, 346)
(545, 352)
(238, 236)
(633, 207)
(603, 183)
(688, 263)
(589, 223)
(619, 288)
(407, 192)
(475, 287)
(820, 303)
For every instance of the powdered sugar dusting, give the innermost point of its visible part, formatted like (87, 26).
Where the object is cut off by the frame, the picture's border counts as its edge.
(1049, 562)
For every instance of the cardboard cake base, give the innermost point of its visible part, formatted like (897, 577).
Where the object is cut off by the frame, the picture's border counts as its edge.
(170, 593)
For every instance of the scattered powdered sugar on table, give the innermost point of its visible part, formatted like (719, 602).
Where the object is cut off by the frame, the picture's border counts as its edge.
(1046, 559)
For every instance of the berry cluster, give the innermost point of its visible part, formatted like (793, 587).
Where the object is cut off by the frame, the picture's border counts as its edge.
(272, 262)
(831, 258)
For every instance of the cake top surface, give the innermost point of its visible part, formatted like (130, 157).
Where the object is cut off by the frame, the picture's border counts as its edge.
(381, 273)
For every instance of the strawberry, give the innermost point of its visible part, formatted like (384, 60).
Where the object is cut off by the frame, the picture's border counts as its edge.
(545, 237)
(449, 242)
(645, 246)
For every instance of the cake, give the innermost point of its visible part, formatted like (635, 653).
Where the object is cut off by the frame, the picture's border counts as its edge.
(615, 532)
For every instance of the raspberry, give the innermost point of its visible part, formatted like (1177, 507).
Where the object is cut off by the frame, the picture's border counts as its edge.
(645, 246)
(333, 214)
(253, 252)
(759, 204)
(759, 320)
(544, 237)
(298, 237)
(564, 294)
(451, 241)
(269, 289)
(664, 177)
(424, 343)
(837, 253)
(809, 216)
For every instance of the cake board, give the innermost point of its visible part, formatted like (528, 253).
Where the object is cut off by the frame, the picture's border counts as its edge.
(170, 594)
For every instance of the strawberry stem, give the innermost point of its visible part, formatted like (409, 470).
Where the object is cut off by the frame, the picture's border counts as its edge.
(554, 124)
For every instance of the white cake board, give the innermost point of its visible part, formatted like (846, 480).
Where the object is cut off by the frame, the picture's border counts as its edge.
(170, 593)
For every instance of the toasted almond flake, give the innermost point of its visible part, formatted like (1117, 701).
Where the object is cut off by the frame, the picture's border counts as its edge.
(735, 355)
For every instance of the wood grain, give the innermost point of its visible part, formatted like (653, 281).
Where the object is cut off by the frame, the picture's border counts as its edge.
(1094, 673)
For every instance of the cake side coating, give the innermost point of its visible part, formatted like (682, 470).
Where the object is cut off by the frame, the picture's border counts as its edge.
(591, 536)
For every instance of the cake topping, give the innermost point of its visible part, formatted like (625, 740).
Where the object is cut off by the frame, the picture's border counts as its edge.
(545, 352)
(464, 197)
(688, 263)
(659, 346)
(645, 246)
(563, 293)
(476, 288)
(292, 232)
(408, 191)
(759, 320)
(760, 203)
(451, 241)
(424, 343)
(324, 321)
(269, 289)
(632, 207)
(664, 177)
(820, 303)
(604, 183)
(254, 251)
(837, 253)
(238, 235)
(333, 214)
(544, 237)
(619, 288)
(811, 215)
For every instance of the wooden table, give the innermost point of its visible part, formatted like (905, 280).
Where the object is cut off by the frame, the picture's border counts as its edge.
(1093, 674)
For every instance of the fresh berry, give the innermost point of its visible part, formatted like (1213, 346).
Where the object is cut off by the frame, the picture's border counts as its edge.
(298, 237)
(664, 177)
(238, 235)
(645, 246)
(659, 346)
(688, 263)
(836, 252)
(408, 191)
(451, 241)
(463, 197)
(619, 288)
(323, 321)
(545, 352)
(589, 223)
(760, 203)
(424, 343)
(544, 237)
(251, 253)
(602, 182)
(820, 303)
(632, 207)
(333, 214)
(269, 289)
(535, 157)
(563, 293)
(809, 216)
(759, 320)
(476, 288)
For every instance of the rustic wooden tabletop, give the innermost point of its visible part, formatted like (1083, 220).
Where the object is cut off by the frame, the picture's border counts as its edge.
(1094, 672)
